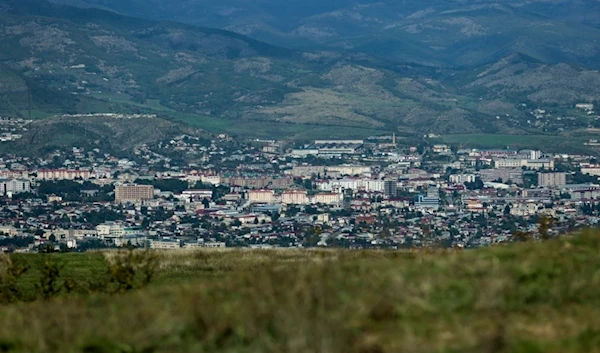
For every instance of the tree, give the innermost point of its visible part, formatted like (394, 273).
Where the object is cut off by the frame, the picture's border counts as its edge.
(206, 203)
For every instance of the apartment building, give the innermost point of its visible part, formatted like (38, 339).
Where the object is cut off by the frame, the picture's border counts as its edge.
(261, 196)
(133, 193)
(552, 179)
(294, 197)
(63, 174)
(327, 198)
(14, 186)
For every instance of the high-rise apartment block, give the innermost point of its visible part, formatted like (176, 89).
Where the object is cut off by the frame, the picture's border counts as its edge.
(133, 193)
(552, 179)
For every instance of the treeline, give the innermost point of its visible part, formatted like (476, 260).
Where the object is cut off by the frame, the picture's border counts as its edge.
(73, 191)
(175, 186)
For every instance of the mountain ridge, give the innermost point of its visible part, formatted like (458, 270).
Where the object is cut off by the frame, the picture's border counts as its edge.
(352, 25)
(106, 62)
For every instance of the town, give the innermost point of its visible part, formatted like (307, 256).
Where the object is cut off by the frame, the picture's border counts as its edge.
(194, 192)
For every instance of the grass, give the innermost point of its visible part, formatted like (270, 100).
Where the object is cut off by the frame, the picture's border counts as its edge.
(551, 143)
(262, 129)
(150, 104)
(36, 114)
(532, 297)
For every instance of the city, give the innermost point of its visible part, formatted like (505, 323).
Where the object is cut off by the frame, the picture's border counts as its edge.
(372, 193)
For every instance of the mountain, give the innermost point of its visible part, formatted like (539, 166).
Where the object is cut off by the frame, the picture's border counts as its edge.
(445, 33)
(87, 60)
(114, 134)
(175, 68)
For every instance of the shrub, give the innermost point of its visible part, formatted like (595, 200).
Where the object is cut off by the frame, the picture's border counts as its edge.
(131, 270)
(49, 284)
(10, 273)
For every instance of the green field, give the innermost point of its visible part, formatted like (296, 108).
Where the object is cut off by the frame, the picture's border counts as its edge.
(529, 297)
(274, 130)
(544, 142)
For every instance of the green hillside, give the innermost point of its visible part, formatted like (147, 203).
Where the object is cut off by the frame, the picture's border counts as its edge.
(529, 297)
(78, 60)
(115, 135)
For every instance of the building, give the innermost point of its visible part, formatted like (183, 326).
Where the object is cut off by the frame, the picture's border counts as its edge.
(164, 244)
(14, 186)
(505, 175)
(212, 244)
(198, 194)
(365, 184)
(593, 170)
(498, 153)
(431, 200)
(261, 196)
(330, 148)
(133, 193)
(347, 199)
(552, 179)
(260, 182)
(60, 174)
(527, 163)
(534, 154)
(327, 198)
(390, 188)
(538, 164)
(307, 171)
(462, 178)
(423, 201)
(110, 230)
(294, 197)
(347, 170)
(441, 149)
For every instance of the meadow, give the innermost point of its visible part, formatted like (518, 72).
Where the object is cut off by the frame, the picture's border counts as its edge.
(524, 297)
(550, 143)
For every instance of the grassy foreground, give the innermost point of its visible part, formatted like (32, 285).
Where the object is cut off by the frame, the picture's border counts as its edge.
(531, 297)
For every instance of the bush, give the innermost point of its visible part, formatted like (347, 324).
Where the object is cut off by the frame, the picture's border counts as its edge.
(131, 270)
(9, 276)
(49, 285)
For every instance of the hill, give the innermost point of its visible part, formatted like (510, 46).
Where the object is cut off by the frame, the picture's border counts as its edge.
(447, 33)
(86, 60)
(116, 135)
(534, 297)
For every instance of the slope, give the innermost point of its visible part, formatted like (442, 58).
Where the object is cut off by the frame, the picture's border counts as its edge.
(90, 60)
(535, 297)
(449, 33)
(112, 134)
(175, 68)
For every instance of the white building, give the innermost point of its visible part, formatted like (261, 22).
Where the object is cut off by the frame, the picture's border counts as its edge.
(198, 194)
(552, 179)
(327, 198)
(211, 244)
(591, 170)
(111, 230)
(366, 184)
(294, 197)
(211, 179)
(14, 186)
(348, 169)
(528, 163)
(441, 149)
(462, 178)
(67, 174)
(261, 196)
(164, 244)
